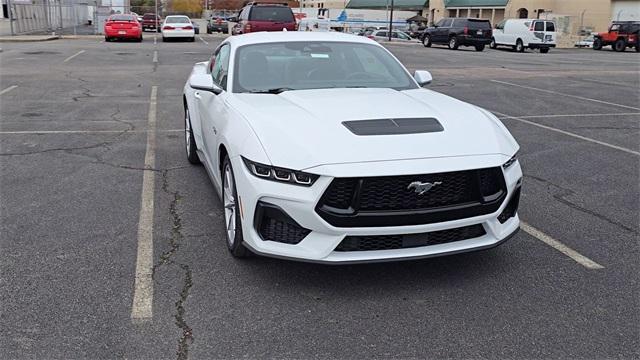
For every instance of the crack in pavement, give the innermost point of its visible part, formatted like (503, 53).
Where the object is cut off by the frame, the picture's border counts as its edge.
(166, 259)
(564, 192)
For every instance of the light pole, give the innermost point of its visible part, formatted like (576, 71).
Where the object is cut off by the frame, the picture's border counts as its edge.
(391, 21)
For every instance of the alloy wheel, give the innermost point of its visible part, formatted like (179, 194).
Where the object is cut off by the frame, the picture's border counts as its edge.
(229, 205)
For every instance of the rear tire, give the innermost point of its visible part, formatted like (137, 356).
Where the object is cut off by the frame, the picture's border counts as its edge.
(597, 44)
(544, 50)
(192, 39)
(519, 46)
(426, 41)
(209, 31)
(164, 39)
(480, 47)
(139, 39)
(453, 43)
(620, 45)
(107, 39)
(493, 44)
(232, 222)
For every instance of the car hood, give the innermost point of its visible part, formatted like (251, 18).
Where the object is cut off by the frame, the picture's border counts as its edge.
(303, 129)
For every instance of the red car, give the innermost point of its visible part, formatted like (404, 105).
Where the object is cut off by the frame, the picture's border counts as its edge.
(122, 26)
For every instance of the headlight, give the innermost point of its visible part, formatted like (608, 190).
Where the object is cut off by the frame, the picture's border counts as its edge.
(273, 173)
(510, 162)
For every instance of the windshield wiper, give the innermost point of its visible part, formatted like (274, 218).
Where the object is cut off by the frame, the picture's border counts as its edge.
(271, 91)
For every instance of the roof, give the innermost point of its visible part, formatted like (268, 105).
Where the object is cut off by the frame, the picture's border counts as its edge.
(474, 3)
(382, 4)
(284, 36)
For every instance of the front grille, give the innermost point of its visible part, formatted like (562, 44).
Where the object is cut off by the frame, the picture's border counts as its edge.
(274, 224)
(391, 242)
(459, 194)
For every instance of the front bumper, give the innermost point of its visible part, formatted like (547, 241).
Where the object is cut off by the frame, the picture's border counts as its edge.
(320, 244)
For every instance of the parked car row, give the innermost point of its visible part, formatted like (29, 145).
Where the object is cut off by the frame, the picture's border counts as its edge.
(128, 26)
(519, 34)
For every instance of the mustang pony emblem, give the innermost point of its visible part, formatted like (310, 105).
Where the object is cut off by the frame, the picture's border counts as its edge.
(422, 187)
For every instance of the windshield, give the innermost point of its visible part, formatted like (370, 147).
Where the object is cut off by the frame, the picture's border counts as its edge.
(276, 67)
(479, 25)
(177, 20)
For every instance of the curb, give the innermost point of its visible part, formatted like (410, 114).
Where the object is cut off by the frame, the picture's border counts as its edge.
(28, 38)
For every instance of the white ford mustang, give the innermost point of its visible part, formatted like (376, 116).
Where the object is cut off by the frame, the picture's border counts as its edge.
(324, 148)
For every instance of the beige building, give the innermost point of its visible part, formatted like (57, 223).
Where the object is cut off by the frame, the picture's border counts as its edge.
(574, 18)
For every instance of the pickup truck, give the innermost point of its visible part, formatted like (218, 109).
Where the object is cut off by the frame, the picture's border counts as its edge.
(151, 21)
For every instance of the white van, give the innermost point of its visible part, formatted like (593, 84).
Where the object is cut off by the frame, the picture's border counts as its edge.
(523, 34)
(314, 24)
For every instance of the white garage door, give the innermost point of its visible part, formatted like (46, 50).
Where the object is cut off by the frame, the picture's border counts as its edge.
(625, 10)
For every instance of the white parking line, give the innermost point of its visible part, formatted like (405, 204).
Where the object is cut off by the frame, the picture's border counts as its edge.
(577, 257)
(8, 89)
(568, 133)
(567, 95)
(203, 40)
(155, 56)
(43, 132)
(72, 56)
(142, 308)
(569, 115)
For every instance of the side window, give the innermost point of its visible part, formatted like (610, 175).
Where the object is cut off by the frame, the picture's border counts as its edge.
(551, 26)
(447, 23)
(538, 26)
(403, 36)
(501, 25)
(382, 33)
(440, 22)
(220, 67)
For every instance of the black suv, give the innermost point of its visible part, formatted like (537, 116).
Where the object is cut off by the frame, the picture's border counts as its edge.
(459, 31)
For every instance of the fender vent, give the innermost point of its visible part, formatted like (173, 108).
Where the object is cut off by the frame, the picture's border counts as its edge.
(393, 126)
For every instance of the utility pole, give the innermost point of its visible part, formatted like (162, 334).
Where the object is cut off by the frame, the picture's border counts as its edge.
(391, 21)
(10, 17)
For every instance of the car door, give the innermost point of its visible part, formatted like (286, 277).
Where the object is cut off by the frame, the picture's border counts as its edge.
(442, 32)
(550, 32)
(498, 33)
(212, 108)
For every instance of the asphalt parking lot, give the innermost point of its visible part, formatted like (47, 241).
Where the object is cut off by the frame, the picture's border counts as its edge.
(81, 118)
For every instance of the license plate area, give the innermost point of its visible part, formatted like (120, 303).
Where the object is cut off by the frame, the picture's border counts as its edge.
(122, 32)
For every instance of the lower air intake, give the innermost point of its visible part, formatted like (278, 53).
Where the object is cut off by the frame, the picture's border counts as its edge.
(393, 242)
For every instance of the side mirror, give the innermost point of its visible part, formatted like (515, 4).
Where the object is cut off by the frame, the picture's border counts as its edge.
(422, 77)
(232, 19)
(204, 82)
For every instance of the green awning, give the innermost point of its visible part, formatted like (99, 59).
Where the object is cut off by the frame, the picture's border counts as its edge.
(475, 3)
(409, 5)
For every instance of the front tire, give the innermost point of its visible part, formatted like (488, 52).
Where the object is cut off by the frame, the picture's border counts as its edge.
(519, 46)
(426, 41)
(597, 44)
(453, 43)
(233, 224)
(493, 44)
(190, 140)
(620, 45)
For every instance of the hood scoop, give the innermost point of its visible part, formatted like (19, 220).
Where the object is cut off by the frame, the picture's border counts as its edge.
(393, 126)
